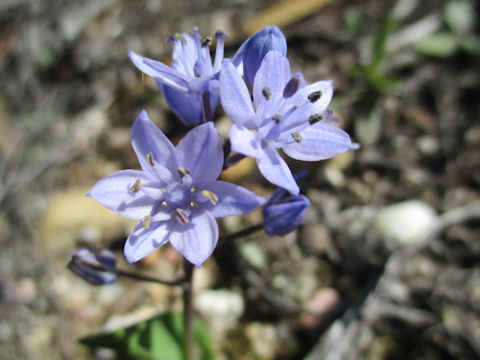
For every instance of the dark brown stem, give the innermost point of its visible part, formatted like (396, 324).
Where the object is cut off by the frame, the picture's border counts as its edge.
(240, 234)
(177, 282)
(188, 310)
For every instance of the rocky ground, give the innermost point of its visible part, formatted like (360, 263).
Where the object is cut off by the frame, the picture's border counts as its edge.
(386, 265)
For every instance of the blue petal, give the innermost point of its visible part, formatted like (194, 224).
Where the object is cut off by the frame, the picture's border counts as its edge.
(280, 219)
(245, 141)
(113, 192)
(270, 38)
(273, 74)
(197, 239)
(148, 139)
(201, 154)
(233, 199)
(276, 170)
(187, 106)
(184, 55)
(325, 87)
(142, 241)
(235, 97)
(159, 71)
(320, 141)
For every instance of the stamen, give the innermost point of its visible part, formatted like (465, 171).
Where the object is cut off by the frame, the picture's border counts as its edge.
(193, 189)
(136, 186)
(297, 136)
(314, 96)
(193, 204)
(220, 34)
(267, 92)
(150, 159)
(207, 41)
(164, 203)
(147, 220)
(315, 118)
(181, 216)
(211, 196)
(177, 37)
(182, 171)
(163, 190)
(277, 118)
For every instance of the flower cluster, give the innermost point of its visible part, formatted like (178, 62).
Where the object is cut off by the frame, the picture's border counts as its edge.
(176, 195)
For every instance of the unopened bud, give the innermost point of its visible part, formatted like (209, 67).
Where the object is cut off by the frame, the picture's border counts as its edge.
(95, 265)
(284, 214)
(267, 39)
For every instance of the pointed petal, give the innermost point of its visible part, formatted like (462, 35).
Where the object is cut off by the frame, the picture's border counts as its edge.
(114, 193)
(245, 141)
(276, 170)
(201, 154)
(184, 55)
(233, 199)
(197, 239)
(274, 73)
(159, 71)
(234, 95)
(153, 147)
(143, 241)
(319, 142)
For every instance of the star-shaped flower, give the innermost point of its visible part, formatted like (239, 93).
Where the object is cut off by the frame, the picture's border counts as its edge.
(176, 196)
(284, 113)
(190, 85)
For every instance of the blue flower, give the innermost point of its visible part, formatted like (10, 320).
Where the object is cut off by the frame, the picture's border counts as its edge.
(190, 85)
(283, 214)
(176, 196)
(254, 49)
(95, 265)
(284, 113)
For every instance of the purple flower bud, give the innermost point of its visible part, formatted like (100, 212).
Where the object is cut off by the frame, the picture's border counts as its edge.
(267, 39)
(283, 214)
(95, 265)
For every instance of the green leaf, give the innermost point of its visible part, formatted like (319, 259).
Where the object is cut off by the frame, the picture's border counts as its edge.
(440, 44)
(158, 338)
(379, 50)
(460, 16)
(353, 20)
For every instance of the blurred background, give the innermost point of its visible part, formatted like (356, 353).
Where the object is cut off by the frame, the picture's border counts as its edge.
(386, 263)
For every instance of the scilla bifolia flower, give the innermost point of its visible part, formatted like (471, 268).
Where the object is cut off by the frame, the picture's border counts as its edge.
(190, 85)
(284, 113)
(95, 265)
(284, 213)
(254, 49)
(176, 196)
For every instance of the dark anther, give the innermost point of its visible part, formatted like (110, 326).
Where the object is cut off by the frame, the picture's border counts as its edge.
(297, 136)
(277, 118)
(314, 96)
(315, 118)
(267, 92)
(182, 171)
(136, 186)
(181, 216)
(150, 159)
(207, 41)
